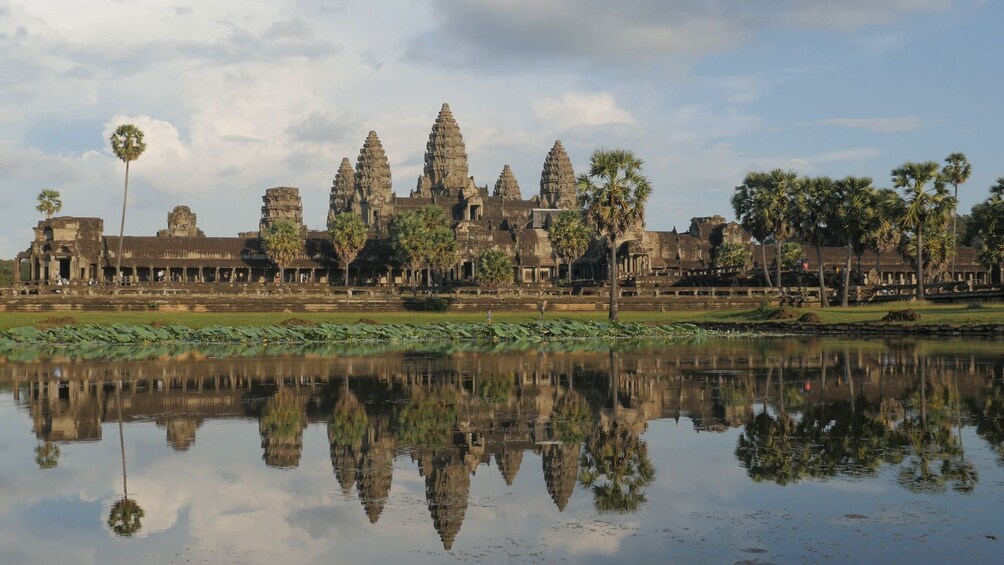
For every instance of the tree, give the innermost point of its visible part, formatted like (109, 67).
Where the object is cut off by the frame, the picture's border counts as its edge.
(281, 242)
(125, 517)
(613, 194)
(956, 171)
(348, 236)
(616, 467)
(812, 213)
(49, 202)
(569, 237)
(988, 225)
(731, 255)
(924, 193)
(127, 144)
(423, 238)
(746, 208)
(494, 268)
(47, 455)
(791, 252)
(855, 217)
(885, 233)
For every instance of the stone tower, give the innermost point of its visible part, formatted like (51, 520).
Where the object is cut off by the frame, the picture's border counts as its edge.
(343, 191)
(445, 155)
(181, 222)
(561, 469)
(509, 460)
(281, 203)
(372, 182)
(506, 187)
(557, 180)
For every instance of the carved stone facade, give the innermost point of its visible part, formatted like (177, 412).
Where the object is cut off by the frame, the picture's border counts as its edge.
(181, 222)
(506, 187)
(343, 191)
(445, 156)
(557, 181)
(281, 203)
(373, 182)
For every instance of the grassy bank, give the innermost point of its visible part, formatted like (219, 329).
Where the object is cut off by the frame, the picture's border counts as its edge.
(930, 314)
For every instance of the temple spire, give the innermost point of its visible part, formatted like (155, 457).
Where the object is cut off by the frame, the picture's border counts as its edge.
(506, 187)
(343, 190)
(557, 180)
(445, 154)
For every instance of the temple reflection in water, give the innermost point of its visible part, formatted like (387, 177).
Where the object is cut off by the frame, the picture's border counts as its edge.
(807, 409)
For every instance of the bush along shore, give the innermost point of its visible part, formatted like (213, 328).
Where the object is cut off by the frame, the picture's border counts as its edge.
(346, 333)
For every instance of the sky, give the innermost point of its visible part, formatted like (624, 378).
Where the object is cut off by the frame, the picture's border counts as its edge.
(236, 96)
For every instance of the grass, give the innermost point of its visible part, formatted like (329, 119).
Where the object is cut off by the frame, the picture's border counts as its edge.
(930, 314)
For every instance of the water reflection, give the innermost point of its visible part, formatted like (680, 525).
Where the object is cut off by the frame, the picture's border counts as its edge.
(802, 410)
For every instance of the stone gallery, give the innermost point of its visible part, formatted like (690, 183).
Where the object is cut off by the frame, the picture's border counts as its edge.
(74, 249)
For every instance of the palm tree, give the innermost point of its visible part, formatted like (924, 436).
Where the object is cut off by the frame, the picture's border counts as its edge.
(812, 212)
(956, 171)
(494, 268)
(988, 221)
(616, 467)
(127, 144)
(924, 191)
(746, 208)
(281, 242)
(858, 202)
(348, 236)
(569, 237)
(613, 194)
(126, 515)
(885, 233)
(49, 202)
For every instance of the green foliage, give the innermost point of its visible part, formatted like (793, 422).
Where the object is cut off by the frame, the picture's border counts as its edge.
(423, 238)
(348, 236)
(282, 242)
(494, 268)
(572, 418)
(495, 389)
(127, 142)
(284, 416)
(8, 272)
(925, 201)
(348, 421)
(790, 254)
(763, 204)
(988, 225)
(47, 455)
(125, 518)
(616, 467)
(732, 255)
(49, 202)
(429, 419)
(569, 237)
(537, 331)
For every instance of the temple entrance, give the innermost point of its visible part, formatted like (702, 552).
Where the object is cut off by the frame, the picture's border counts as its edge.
(64, 268)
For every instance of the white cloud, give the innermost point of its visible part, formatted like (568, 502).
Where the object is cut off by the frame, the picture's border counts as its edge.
(574, 109)
(876, 125)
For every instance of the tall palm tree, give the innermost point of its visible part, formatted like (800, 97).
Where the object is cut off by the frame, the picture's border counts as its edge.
(49, 202)
(126, 515)
(858, 200)
(924, 191)
(613, 194)
(812, 213)
(745, 205)
(775, 207)
(956, 171)
(885, 233)
(348, 236)
(281, 242)
(127, 144)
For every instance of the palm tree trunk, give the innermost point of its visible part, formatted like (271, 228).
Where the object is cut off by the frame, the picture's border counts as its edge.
(878, 266)
(955, 227)
(118, 256)
(346, 274)
(824, 300)
(920, 261)
(845, 292)
(779, 283)
(569, 272)
(428, 276)
(763, 263)
(118, 404)
(613, 279)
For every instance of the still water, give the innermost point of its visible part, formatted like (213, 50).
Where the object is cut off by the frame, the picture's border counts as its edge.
(723, 451)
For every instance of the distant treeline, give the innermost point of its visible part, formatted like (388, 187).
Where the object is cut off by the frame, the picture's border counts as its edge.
(6, 271)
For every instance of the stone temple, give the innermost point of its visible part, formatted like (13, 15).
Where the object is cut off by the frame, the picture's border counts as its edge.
(76, 249)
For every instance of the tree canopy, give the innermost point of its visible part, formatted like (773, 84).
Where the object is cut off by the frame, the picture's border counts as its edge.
(49, 202)
(348, 236)
(494, 268)
(281, 242)
(422, 238)
(569, 237)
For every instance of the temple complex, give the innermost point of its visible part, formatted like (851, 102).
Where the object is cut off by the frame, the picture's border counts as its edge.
(74, 249)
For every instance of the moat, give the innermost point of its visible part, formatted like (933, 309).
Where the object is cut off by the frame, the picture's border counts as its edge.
(739, 450)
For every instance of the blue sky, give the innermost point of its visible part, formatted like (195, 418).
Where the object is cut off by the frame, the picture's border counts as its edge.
(238, 96)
